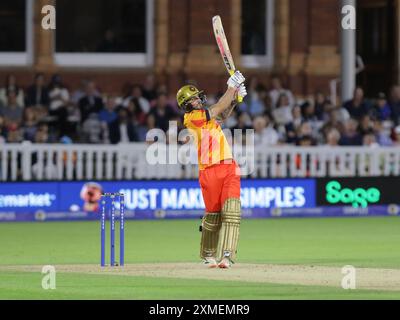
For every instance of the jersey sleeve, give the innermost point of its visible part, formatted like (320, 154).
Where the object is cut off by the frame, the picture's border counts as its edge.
(197, 119)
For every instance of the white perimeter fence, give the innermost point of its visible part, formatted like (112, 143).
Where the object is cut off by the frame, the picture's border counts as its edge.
(28, 161)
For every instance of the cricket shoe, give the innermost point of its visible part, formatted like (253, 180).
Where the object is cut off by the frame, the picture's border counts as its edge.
(225, 263)
(210, 262)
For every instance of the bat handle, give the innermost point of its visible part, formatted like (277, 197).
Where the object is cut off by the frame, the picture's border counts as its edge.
(239, 98)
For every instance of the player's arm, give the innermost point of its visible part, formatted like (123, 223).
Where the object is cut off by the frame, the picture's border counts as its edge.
(234, 83)
(227, 113)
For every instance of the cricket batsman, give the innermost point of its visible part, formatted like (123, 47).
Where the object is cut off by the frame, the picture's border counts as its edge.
(219, 174)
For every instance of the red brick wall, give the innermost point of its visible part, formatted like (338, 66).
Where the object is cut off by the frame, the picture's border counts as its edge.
(299, 26)
(178, 25)
(324, 23)
(312, 22)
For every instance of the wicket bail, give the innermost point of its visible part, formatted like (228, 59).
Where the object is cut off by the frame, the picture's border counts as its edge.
(111, 199)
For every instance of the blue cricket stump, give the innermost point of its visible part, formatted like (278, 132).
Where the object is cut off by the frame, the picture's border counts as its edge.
(103, 232)
(121, 229)
(114, 197)
(112, 231)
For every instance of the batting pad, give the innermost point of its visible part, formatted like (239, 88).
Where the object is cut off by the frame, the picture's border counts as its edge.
(229, 233)
(209, 234)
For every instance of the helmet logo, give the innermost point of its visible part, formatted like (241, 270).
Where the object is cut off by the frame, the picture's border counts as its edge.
(192, 88)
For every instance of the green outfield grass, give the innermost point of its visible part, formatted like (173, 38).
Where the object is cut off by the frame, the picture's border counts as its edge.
(18, 285)
(362, 242)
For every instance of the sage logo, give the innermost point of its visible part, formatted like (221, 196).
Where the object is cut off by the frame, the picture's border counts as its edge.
(358, 198)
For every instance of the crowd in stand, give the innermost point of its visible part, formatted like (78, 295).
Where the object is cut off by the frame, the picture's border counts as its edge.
(47, 112)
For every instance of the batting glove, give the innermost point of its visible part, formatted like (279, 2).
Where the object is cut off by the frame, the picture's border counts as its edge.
(236, 80)
(242, 92)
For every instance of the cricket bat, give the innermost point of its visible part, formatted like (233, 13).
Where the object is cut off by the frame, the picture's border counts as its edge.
(223, 47)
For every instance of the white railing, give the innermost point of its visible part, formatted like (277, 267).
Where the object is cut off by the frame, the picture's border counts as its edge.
(28, 161)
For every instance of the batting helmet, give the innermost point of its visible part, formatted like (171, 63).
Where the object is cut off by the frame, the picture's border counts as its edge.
(186, 93)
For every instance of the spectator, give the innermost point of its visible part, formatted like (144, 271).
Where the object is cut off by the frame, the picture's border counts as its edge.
(277, 91)
(351, 137)
(396, 136)
(264, 132)
(11, 85)
(30, 123)
(3, 130)
(59, 99)
(304, 130)
(328, 108)
(150, 121)
(381, 135)
(381, 109)
(306, 141)
(81, 92)
(342, 114)
(308, 111)
(365, 125)
(294, 124)
(92, 129)
(369, 140)
(137, 95)
(268, 108)
(333, 123)
(174, 104)
(134, 108)
(231, 121)
(108, 114)
(395, 104)
(42, 134)
(283, 112)
(37, 94)
(12, 112)
(138, 118)
(162, 113)
(297, 117)
(149, 88)
(332, 138)
(319, 101)
(292, 127)
(154, 135)
(90, 103)
(172, 135)
(243, 123)
(122, 130)
(357, 107)
(14, 134)
(161, 89)
(73, 121)
(253, 103)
